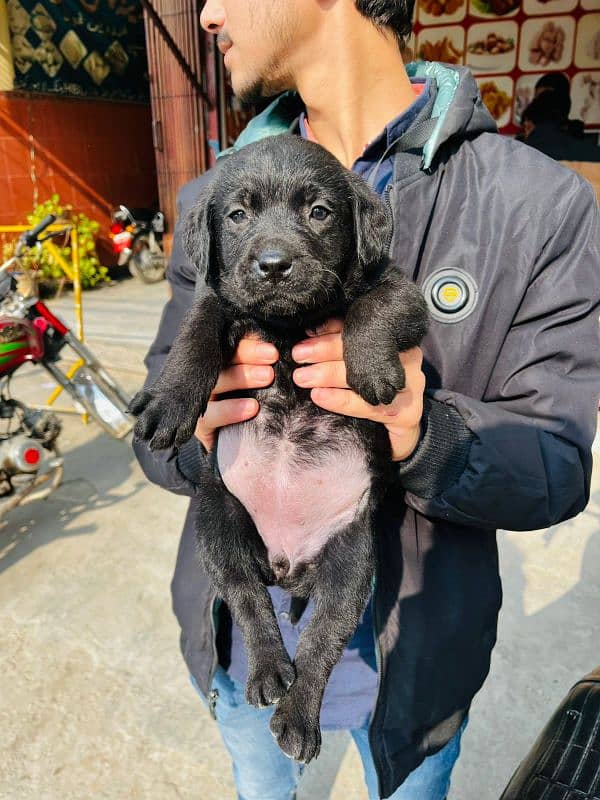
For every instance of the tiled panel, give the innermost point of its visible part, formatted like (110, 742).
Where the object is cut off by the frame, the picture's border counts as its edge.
(6, 201)
(22, 195)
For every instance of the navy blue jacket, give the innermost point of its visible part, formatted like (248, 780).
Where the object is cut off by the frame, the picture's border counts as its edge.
(512, 385)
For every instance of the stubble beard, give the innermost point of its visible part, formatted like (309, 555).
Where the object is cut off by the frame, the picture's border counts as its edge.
(274, 78)
(260, 88)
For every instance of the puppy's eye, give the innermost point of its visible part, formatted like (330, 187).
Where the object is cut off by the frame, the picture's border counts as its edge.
(238, 215)
(319, 213)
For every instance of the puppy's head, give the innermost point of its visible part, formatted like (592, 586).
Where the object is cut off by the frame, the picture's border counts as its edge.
(284, 230)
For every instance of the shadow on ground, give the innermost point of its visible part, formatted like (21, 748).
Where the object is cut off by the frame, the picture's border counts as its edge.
(105, 465)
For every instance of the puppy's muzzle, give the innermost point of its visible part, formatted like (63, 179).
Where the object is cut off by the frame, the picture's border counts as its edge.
(273, 265)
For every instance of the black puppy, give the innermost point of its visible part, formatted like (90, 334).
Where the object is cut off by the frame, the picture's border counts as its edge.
(286, 238)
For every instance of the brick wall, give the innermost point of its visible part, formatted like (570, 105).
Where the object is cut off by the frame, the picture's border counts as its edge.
(94, 154)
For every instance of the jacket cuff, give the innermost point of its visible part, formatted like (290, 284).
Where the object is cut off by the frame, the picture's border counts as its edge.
(441, 455)
(190, 457)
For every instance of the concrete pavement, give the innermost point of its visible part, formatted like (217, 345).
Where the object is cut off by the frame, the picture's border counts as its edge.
(94, 697)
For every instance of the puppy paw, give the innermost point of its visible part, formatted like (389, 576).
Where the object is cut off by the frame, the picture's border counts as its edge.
(166, 418)
(269, 681)
(139, 402)
(296, 729)
(377, 380)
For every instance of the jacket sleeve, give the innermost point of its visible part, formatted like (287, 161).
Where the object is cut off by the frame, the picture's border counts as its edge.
(171, 469)
(520, 459)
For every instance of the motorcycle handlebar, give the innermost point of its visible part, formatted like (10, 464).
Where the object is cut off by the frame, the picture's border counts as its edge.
(29, 238)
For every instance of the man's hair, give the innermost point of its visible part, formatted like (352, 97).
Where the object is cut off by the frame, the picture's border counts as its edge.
(547, 107)
(555, 82)
(394, 14)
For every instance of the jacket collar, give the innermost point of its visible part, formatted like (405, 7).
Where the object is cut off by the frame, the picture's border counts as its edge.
(458, 109)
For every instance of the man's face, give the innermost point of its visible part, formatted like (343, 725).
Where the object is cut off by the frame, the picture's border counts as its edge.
(259, 38)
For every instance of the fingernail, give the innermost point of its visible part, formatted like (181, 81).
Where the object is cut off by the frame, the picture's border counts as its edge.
(302, 353)
(248, 407)
(261, 373)
(319, 394)
(266, 350)
(303, 376)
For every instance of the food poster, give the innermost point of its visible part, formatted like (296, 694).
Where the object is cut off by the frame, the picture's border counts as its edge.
(83, 48)
(509, 44)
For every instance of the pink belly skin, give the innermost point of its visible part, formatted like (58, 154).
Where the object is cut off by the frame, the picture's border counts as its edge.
(297, 503)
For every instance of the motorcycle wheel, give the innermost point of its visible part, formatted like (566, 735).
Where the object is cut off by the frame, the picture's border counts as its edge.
(145, 264)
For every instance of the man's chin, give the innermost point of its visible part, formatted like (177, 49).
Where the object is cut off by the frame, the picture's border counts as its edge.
(250, 93)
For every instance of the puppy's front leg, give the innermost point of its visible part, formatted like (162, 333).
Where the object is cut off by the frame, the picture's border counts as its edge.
(340, 593)
(169, 410)
(389, 319)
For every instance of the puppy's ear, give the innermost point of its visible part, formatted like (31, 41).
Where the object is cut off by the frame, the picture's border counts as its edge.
(198, 234)
(372, 223)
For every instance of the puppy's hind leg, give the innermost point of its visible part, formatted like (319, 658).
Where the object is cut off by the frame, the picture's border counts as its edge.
(234, 556)
(340, 591)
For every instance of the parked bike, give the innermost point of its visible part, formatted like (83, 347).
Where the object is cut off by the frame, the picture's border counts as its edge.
(30, 461)
(137, 236)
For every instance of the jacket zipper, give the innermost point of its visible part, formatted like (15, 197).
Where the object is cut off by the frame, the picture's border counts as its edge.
(213, 694)
(379, 677)
(212, 702)
(388, 204)
(376, 626)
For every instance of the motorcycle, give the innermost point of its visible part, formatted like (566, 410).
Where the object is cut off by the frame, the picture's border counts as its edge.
(137, 241)
(31, 465)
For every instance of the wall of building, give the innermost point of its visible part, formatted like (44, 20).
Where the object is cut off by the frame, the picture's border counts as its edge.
(94, 154)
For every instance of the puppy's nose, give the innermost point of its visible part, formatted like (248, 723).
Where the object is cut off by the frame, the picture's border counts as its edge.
(274, 264)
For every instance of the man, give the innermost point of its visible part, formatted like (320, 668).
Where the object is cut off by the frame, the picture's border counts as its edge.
(504, 244)
(545, 126)
(558, 83)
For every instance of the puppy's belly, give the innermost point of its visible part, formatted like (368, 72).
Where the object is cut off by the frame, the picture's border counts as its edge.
(298, 495)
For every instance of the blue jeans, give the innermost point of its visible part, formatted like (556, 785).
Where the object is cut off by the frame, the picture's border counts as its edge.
(262, 772)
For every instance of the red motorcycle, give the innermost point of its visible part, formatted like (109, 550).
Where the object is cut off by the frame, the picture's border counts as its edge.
(137, 239)
(30, 462)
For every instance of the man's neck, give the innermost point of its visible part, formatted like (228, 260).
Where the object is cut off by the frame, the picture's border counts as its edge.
(352, 93)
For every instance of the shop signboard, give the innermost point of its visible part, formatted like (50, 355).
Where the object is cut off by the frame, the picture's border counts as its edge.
(509, 44)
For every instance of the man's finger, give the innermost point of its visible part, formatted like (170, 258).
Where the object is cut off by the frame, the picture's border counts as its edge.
(226, 412)
(255, 351)
(348, 403)
(244, 376)
(329, 374)
(342, 401)
(412, 359)
(327, 347)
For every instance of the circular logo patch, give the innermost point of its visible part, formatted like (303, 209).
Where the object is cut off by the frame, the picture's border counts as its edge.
(451, 295)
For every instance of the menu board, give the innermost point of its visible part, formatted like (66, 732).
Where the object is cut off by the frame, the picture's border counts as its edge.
(510, 44)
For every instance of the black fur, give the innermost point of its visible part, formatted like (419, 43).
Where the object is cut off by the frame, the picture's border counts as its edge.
(326, 267)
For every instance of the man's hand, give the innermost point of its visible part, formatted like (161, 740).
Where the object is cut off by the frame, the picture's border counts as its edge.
(250, 368)
(326, 377)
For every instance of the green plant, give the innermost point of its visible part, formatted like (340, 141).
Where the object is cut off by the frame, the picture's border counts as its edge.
(90, 269)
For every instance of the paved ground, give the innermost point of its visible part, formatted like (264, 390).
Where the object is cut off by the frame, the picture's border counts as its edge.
(94, 698)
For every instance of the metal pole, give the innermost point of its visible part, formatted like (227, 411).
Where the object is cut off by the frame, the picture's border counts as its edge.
(77, 282)
(221, 100)
(178, 55)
